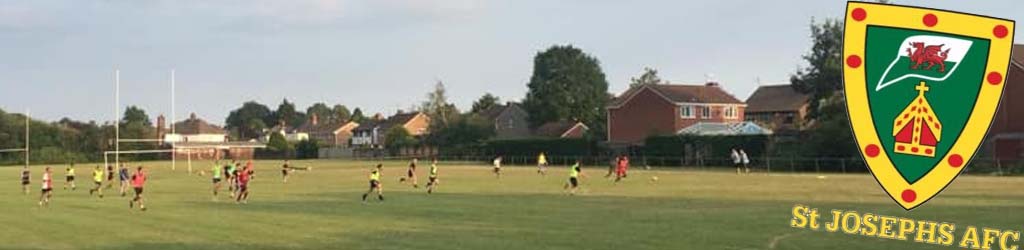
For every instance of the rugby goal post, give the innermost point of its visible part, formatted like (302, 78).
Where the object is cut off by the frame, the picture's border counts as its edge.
(28, 122)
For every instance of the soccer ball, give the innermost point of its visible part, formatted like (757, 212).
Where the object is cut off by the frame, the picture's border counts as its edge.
(654, 178)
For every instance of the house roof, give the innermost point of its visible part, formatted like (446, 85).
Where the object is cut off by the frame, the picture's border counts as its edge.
(556, 129)
(193, 126)
(776, 98)
(326, 127)
(723, 128)
(398, 119)
(680, 93)
(495, 111)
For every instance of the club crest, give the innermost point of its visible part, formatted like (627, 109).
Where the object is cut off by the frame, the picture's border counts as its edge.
(922, 86)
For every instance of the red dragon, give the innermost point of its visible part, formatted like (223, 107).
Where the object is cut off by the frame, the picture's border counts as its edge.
(931, 54)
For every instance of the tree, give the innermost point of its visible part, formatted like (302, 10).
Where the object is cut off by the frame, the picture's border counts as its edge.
(436, 107)
(649, 77)
(286, 112)
(485, 102)
(357, 116)
(823, 77)
(278, 143)
(250, 120)
(469, 130)
(341, 113)
(307, 149)
(322, 112)
(397, 137)
(567, 84)
(822, 81)
(135, 114)
(136, 125)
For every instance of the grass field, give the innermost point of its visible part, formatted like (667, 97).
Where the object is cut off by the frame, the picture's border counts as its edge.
(473, 210)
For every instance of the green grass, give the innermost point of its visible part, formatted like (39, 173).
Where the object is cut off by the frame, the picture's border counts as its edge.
(473, 210)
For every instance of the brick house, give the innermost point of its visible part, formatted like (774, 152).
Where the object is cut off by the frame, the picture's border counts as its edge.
(1005, 139)
(510, 121)
(665, 109)
(371, 134)
(777, 107)
(328, 134)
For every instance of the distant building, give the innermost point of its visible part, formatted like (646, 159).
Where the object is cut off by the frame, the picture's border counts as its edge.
(290, 134)
(1006, 136)
(198, 139)
(665, 109)
(510, 121)
(777, 107)
(564, 129)
(371, 134)
(195, 130)
(329, 134)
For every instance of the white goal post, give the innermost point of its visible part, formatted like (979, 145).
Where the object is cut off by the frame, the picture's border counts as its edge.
(28, 122)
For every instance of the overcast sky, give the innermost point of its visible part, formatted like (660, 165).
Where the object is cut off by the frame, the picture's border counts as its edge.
(57, 58)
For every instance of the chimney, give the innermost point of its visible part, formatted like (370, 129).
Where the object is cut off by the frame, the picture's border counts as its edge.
(313, 119)
(710, 80)
(161, 123)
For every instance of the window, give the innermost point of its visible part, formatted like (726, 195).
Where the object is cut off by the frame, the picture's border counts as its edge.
(706, 112)
(730, 112)
(686, 111)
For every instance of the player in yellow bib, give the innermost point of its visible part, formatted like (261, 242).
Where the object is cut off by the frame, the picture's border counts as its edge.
(542, 164)
(432, 183)
(375, 175)
(97, 178)
(575, 173)
(70, 177)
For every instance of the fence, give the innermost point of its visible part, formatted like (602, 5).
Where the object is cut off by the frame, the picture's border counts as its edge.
(978, 166)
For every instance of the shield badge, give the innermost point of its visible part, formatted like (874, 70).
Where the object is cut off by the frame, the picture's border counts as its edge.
(922, 86)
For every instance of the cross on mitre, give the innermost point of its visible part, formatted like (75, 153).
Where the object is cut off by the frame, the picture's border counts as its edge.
(917, 130)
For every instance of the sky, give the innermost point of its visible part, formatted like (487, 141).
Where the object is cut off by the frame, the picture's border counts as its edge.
(58, 57)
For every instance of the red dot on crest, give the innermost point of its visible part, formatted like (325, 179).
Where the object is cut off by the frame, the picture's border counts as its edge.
(956, 160)
(853, 61)
(859, 14)
(930, 20)
(995, 78)
(872, 150)
(1000, 31)
(909, 195)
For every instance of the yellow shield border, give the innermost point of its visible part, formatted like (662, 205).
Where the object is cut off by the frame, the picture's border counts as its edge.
(998, 31)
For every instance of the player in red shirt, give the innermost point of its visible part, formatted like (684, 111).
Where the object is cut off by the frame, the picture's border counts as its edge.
(243, 184)
(138, 182)
(44, 198)
(620, 170)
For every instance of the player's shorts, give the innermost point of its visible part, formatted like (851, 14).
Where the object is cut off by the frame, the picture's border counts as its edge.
(70, 178)
(374, 184)
(110, 176)
(284, 171)
(496, 170)
(138, 190)
(410, 173)
(433, 179)
(216, 180)
(97, 183)
(574, 182)
(620, 172)
(243, 187)
(25, 182)
(47, 190)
